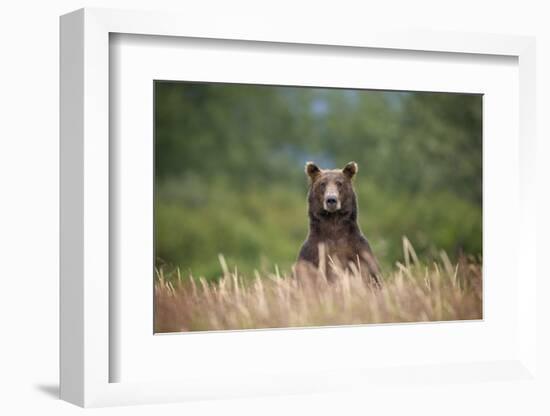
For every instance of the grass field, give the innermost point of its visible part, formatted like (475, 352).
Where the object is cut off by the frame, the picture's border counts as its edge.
(414, 291)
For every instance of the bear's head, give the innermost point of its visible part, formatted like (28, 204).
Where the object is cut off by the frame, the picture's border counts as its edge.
(331, 190)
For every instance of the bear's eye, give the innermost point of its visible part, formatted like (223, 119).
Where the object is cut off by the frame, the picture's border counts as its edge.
(322, 185)
(339, 184)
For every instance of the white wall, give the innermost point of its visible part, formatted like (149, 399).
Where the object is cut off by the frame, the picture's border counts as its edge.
(29, 186)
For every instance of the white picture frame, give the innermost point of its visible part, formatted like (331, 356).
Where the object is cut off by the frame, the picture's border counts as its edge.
(86, 356)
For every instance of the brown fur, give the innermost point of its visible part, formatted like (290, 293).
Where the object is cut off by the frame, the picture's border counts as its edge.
(333, 227)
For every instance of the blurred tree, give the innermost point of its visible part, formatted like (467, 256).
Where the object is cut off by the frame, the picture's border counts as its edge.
(229, 169)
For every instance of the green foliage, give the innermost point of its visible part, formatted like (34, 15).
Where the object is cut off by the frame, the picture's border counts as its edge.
(229, 170)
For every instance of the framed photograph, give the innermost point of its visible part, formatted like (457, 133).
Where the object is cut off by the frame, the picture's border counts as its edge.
(271, 212)
(423, 155)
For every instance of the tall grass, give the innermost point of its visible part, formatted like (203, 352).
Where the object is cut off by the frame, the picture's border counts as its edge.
(412, 292)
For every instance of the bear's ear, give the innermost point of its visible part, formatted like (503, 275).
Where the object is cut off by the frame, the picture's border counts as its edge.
(350, 169)
(312, 170)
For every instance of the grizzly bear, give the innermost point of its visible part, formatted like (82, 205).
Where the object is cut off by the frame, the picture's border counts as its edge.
(333, 229)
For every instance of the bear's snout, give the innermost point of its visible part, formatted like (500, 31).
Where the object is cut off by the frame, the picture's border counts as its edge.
(331, 203)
